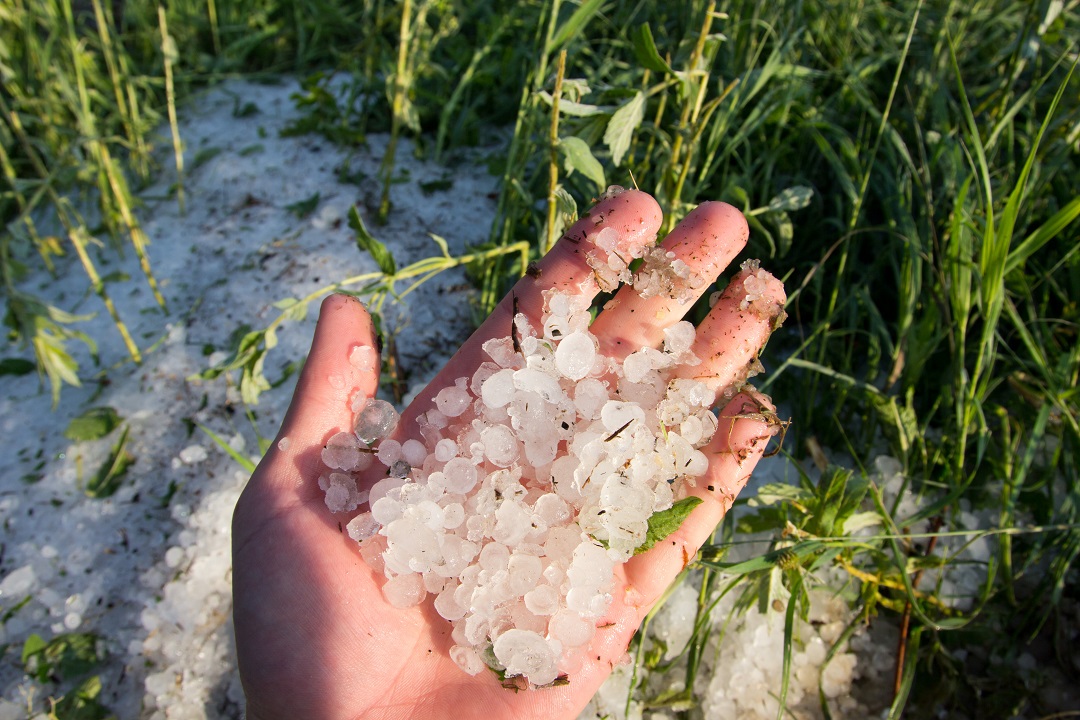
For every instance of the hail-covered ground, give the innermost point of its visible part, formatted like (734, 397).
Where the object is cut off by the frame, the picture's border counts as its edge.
(140, 580)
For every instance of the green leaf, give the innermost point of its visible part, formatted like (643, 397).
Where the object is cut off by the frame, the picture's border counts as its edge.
(303, 208)
(69, 656)
(82, 703)
(793, 198)
(665, 522)
(16, 366)
(107, 479)
(570, 107)
(367, 243)
(33, 645)
(93, 424)
(578, 156)
(574, 24)
(645, 50)
(621, 127)
(1046, 232)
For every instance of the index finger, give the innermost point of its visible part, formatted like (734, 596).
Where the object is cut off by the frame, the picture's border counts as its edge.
(620, 226)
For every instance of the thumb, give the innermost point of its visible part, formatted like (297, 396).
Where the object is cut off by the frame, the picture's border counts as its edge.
(343, 364)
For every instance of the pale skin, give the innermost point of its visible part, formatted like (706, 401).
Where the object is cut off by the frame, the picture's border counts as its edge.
(315, 637)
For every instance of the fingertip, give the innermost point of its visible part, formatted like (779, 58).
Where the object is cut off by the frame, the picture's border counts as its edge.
(343, 362)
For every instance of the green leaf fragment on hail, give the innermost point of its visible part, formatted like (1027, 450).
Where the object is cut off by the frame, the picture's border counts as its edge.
(665, 522)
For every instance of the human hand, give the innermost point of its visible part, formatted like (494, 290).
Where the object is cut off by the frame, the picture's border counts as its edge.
(315, 637)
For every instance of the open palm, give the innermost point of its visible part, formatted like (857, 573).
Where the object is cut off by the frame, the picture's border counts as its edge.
(315, 637)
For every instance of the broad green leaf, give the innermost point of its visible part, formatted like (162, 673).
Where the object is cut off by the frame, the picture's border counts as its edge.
(665, 522)
(578, 156)
(69, 656)
(367, 242)
(621, 127)
(571, 108)
(780, 492)
(793, 198)
(107, 479)
(645, 50)
(93, 424)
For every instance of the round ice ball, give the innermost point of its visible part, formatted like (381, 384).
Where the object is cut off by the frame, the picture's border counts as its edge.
(524, 652)
(375, 421)
(575, 355)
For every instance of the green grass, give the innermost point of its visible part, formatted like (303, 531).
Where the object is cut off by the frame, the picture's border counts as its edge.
(908, 168)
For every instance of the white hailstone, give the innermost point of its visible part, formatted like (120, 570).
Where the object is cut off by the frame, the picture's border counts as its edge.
(412, 543)
(405, 590)
(523, 652)
(524, 572)
(503, 352)
(364, 358)
(679, 338)
(511, 523)
(389, 452)
(453, 401)
(341, 493)
(447, 607)
(494, 557)
(386, 510)
(429, 513)
(499, 389)
(551, 509)
(413, 452)
(615, 414)
(342, 452)
(590, 395)
(531, 380)
(500, 445)
(445, 449)
(542, 600)
(362, 527)
(459, 476)
(570, 629)
(375, 421)
(575, 355)
(383, 488)
(467, 659)
(453, 516)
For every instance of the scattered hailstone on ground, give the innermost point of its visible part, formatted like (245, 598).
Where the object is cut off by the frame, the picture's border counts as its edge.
(534, 478)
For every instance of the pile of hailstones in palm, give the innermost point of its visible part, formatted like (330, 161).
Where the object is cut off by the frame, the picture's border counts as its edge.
(517, 541)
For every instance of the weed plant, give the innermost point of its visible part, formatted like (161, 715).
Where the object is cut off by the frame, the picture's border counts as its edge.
(909, 168)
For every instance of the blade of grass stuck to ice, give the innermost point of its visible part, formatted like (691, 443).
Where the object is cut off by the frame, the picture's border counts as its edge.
(245, 462)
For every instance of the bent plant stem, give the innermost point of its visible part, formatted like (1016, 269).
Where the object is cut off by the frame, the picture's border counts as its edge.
(398, 108)
(376, 284)
(905, 620)
(76, 232)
